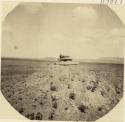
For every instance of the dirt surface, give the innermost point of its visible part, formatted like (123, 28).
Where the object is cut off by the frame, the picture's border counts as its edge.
(45, 91)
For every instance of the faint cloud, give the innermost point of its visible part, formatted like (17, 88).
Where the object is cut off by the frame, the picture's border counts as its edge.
(51, 31)
(86, 14)
(118, 32)
(33, 7)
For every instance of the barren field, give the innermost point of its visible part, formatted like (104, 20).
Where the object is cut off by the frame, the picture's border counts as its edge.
(41, 90)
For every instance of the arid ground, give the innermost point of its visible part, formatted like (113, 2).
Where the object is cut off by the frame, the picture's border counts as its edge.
(42, 90)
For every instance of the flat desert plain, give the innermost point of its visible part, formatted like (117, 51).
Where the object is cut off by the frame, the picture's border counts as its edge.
(42, 90)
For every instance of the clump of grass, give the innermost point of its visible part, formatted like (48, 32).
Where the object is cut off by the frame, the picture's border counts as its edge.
(53, 98)
(21, 110)
(102, 93)
(20, 98)
(100, 109)
(83, 80)
(9, 96)
(82, 108)
(41, 103)
(51, 83)
(66, 108)
(39, 116)
(69, 86)
(118, 90)
(34, 106)
(51, 116)
(93, 85)
(51, 76)
(55, 105)
(31, 116)
(88, 87)
(53, 88)
(72, 96)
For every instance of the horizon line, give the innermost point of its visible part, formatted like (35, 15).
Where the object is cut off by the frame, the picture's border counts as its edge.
(57, 58)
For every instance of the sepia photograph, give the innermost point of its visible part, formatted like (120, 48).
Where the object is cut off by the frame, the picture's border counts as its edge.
(62, 61)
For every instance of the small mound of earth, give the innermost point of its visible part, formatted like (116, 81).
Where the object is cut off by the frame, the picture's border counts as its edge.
(74, 92)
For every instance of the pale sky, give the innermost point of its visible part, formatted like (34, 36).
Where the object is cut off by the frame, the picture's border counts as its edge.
(35, 30)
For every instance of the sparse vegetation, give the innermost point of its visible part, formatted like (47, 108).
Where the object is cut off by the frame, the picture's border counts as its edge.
(42, 90)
